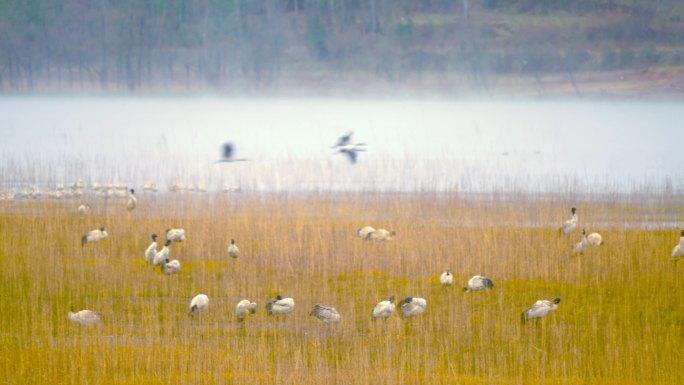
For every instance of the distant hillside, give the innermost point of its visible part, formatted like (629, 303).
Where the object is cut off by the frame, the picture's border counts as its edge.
(349, 46)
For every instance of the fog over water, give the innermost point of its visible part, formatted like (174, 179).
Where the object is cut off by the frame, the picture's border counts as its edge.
(454, 145)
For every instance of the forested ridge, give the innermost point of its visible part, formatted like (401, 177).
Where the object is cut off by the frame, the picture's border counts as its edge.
(234, 46)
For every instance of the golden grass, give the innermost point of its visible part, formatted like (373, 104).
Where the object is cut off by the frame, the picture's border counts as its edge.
(619, 322)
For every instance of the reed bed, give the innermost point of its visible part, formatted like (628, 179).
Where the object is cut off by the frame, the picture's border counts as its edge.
(619, 322)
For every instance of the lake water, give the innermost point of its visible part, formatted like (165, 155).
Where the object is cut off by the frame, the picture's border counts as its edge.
(476, 146)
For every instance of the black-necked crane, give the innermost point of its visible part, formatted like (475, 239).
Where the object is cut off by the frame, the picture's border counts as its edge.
(345, 145)
(571, 224)
(412, 306)
(84, 317)
(151, 250)
(162, 256)
(94, 236)
(446, 279)
(228, 153)
(244, 308)
(595, 239)
(478, 282)
(199, 304)
(280, 306)
(325, 313)
(171, 267)
(176, 235)
(540, 309)
(233, 250)
(132, 202)
(581, 246)
(383, 309)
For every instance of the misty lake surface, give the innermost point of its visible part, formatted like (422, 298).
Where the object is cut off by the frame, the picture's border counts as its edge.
(413, 145)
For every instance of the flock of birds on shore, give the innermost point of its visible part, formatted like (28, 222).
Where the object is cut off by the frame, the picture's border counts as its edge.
(345, 145)
(409, 306)
(104, 191)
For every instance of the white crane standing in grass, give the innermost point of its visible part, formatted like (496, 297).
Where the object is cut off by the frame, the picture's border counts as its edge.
(171, 267)
(150, 186)
(412, 306)
(478, 282)
(151, 250)
(381, 235)
(446, 279)
(595, 239)
(199, 304)
(94, 236)
(325, 314)
(581, 246)
(233, 250)
(84, 317)
(678, 251)
(383, 309)
(571, 224)
(176, 235)
(162, 256)
(132, 201)
(540, 309)
(365, 232)
(244, 308)
(280, 306)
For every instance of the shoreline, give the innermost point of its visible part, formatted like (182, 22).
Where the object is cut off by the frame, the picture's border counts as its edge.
(644, 84)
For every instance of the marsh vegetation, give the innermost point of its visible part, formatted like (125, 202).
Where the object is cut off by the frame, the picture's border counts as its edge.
(619, 321)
